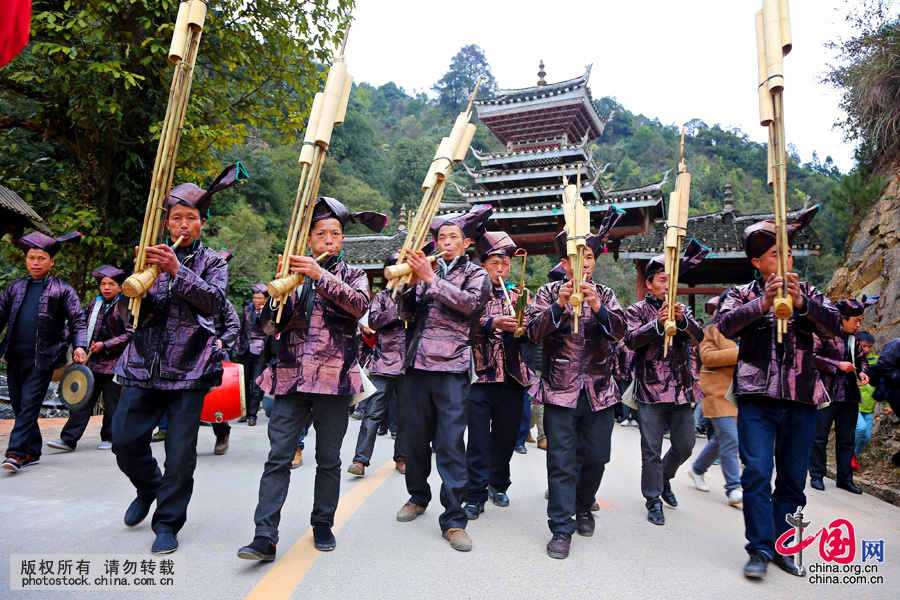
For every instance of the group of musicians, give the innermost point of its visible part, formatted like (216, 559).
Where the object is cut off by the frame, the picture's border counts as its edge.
(447, 342)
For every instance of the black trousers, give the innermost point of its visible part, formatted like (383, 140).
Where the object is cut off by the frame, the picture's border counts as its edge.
(78, 420)
(253, 368)
(436, 404)
(138, 413)
(376, 416)
(844, 416)
(578, 448)
(655, 468)
(495, 416)
(27, 388)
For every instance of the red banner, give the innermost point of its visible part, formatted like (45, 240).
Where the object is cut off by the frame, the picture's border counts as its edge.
(15, 23)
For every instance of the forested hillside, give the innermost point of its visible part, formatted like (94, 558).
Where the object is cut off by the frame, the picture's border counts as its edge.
(377, 158)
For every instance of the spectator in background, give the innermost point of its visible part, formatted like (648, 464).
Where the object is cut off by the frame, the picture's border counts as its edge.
(867, 404)
(886, 379)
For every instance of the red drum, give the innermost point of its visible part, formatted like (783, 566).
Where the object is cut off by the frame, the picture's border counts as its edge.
(226, 402)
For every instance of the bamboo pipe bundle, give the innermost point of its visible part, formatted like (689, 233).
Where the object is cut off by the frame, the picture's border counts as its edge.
(773, 34)
(676, 228)
(183, 51)
(512, 308)
(522, 302)
(329, 108)
(451, 150)
(578, 223)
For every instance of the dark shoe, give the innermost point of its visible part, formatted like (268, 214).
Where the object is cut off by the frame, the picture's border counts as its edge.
(667, 494)
(473, 509)
(357, 468)
(817, 484)
(13, 463)
(558, 546)
(498, 498)
(409, 511)
(165, 543)
(221, 446)
(243, 420)
(595, 506)
(323, 538)
(848, 485)
(400, 466)
(138, 510)
(756, 566)
(521, 449)
(459, 539)
(31, 459)
(584, 523)
(251, 421)
(655, 513)
(787, 564)
(381, 432)
(261, 548)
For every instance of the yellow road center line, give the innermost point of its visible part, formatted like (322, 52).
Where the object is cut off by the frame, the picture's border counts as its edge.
(287, 573)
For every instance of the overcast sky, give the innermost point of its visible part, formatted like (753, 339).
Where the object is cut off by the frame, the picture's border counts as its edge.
(672, 60)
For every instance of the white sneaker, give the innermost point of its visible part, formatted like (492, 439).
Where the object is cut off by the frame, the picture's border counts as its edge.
(699, 481)
(634, 423)
(60, 445)
(624, 423)
(104, 446)
(735, 497)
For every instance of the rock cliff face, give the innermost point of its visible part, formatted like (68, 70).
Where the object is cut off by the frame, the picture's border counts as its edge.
(872, 266)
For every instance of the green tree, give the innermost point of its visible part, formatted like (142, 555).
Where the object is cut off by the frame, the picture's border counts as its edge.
(410, 161)
(89, 91)
(455, 87)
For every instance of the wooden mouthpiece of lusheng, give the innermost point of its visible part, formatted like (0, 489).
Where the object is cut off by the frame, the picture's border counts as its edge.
(137, 285)
(670, 328)
(783, 307)
(197, 16)
(284, 285)
(178, 48)
(395, 271)
(774, 51)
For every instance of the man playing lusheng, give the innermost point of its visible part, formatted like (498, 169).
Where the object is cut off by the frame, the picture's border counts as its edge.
(442, 311)
(775, 385)
(317, 370)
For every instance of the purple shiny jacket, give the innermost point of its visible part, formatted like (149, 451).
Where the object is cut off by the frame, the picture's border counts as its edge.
(111, 330)
(252, 338)
(624, 362)
(661, 379)
(319, 356)
(840, 386)
(390, 338)
(174, 345)
(443, 317)
(228, 326)
(575, 361)
(498, 354)
(764, 367)
(59, 307)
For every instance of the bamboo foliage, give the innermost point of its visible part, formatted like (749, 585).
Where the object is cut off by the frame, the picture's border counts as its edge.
(773, 39)
(183, 52)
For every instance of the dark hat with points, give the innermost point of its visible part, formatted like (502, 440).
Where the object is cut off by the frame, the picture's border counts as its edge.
(692, 257)
(472, 223)
(110, 271)
(557, 273)
(712, 305)
(760, 237)
(196, 197)
(46, 243)
(259, 288)
(329, 208)
(855, 308)
(494, 243)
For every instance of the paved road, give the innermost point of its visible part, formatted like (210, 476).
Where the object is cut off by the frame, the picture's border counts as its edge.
(73, 504)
